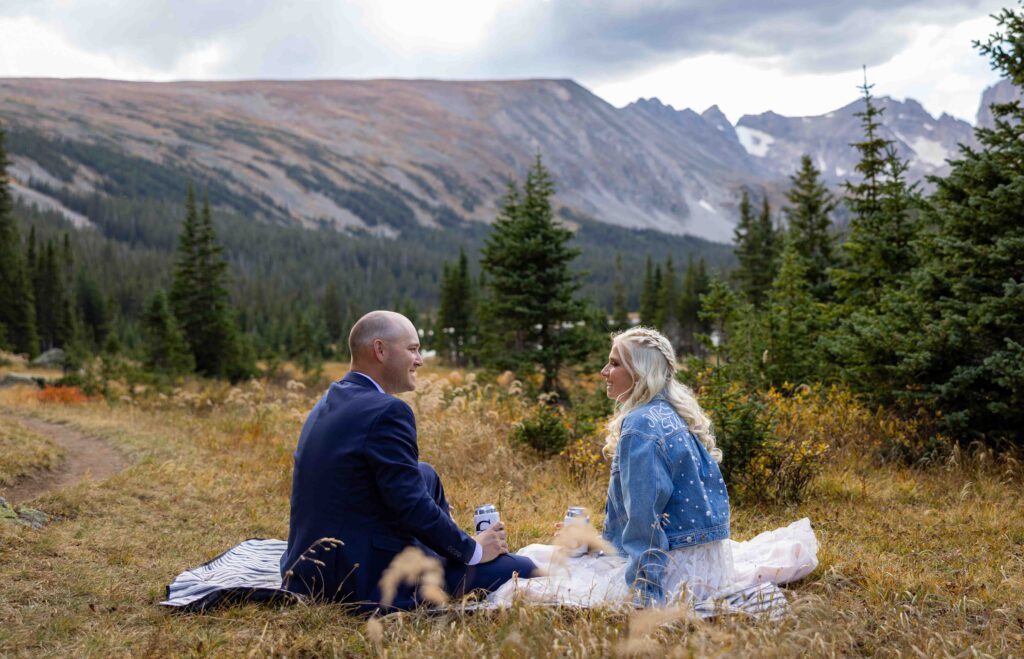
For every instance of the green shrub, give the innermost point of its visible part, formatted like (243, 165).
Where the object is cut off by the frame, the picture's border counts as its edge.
(545, 431)
(743, 429)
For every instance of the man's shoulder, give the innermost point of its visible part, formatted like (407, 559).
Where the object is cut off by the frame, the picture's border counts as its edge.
(365, 401)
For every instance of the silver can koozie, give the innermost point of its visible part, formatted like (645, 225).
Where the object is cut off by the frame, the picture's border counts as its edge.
(486, 516)
(576, 515)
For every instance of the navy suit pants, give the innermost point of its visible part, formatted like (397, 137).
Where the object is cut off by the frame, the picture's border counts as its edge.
(460, 578)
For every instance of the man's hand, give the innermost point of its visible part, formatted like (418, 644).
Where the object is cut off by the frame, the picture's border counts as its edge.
(493, 542)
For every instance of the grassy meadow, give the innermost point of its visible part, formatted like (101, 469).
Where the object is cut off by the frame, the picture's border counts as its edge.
(913, 562)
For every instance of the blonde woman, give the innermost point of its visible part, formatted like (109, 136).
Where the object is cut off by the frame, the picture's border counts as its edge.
(667, 513)
(668, 506)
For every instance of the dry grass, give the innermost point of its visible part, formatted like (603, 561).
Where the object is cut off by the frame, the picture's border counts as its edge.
(913, 563)
(23, 452)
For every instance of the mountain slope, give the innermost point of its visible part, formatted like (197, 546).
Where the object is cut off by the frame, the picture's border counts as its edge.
(378, 155)
(382, 156)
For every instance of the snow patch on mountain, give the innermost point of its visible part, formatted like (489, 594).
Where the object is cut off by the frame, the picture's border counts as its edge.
(706, 206)
(755, 142)
(929, 151)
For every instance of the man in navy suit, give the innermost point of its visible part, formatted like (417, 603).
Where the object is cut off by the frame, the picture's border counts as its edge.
(358, 480)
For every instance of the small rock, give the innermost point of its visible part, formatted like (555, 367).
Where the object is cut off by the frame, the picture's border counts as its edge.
(37, 519)
(15, 379)
(23, 515)
(54, 357)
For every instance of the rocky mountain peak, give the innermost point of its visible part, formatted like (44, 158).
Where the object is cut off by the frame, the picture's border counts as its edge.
(1003, 91)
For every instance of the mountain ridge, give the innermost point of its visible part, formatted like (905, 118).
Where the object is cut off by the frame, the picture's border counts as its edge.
(377, 155)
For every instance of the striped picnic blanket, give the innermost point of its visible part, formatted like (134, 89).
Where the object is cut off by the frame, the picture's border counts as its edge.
(250, 571)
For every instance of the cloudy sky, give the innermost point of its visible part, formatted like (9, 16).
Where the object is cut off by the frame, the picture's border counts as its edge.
(796, 57)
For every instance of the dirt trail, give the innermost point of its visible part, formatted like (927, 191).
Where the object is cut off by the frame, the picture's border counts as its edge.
(84, 457)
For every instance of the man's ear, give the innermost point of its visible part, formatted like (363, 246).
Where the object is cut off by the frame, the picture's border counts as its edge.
(378, 349)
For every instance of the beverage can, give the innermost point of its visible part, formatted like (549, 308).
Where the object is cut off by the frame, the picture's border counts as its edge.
(577, 515)
(486, 516)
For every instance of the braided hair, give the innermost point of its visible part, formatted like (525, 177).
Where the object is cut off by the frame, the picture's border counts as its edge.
(651, 360)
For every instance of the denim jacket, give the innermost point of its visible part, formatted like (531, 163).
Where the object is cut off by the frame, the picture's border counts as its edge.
(665, 492)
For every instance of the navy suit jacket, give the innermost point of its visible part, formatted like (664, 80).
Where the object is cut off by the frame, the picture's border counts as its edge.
(357, 479)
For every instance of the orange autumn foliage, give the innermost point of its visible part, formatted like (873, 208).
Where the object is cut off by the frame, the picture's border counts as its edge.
(63, 395)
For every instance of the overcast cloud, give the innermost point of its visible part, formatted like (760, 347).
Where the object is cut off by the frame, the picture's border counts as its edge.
(609, 45)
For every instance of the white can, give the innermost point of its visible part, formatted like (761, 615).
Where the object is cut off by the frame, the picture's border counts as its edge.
(577, 515)
(486, 516)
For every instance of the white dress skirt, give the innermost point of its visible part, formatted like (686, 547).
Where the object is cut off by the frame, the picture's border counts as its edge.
(692, 574)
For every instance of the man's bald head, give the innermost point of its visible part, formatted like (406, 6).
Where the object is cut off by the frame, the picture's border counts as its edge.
(387, 326)
(386, 347)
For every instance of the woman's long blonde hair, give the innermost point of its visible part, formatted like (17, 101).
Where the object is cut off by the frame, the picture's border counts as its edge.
(651, 360)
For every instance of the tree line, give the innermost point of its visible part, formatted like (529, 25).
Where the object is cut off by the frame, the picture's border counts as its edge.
(918, 306)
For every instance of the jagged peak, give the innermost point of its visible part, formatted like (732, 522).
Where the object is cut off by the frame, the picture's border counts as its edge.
(653, 103)
(713, 111)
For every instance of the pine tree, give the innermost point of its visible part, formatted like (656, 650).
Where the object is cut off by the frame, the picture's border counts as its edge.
(17, 311)
(184, 295)
(532, 302)
(864, 198)
(901, 208)
(755, 251)
(167, 352)
(456, 311)
(310, 335)
(744, 239)
(771, 245)
(333, 313)
(92, 308)
(668, 304)
(793, 324)
(51, 300)
(696, 284)
(656, 283)
(199, 298)
(620, 312)
(32, 258)
(648, 296)
(809, 220)
(882, 225)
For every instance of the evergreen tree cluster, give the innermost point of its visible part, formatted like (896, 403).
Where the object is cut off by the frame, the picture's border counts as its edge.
(920, 305)
(673, 306)
(17, 295)
(456, 331)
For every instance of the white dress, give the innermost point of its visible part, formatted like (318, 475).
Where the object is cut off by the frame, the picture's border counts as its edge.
(692, 574)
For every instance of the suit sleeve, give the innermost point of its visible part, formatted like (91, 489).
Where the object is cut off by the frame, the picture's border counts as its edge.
(393, 454)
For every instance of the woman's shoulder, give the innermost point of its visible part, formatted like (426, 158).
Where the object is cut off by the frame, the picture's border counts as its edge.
(655, 416)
